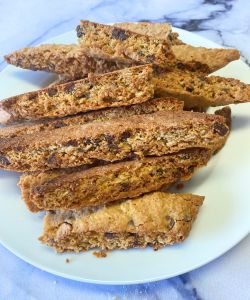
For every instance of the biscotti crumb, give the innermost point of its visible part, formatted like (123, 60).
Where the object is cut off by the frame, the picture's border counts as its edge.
(100, 254)
(67, 261)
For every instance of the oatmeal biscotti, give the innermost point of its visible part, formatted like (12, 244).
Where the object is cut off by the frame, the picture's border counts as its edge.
(200, 91)
(142, 135)
(120, 88)
(148, 107)
(187, 56)
(156, 220)
(69, 60)
(114, 43)
(111, 182)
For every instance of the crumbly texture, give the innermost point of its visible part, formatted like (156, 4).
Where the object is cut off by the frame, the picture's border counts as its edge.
(114, 43)
(148, 107)
(161, 31)
(120, 88)
(111, 182)
(142, 135)
(200, 91)
(69, 60)
(156, 220)
(214, 59)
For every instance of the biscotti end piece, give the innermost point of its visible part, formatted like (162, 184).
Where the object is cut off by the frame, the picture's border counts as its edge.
(102, 184)
(156, 220)
(114, 43)
(154, 134)
(148, 107)
(199, 91)
(119, 88)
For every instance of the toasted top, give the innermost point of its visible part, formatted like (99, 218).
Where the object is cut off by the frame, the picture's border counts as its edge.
(114, 43)
(151, 213)
(148, 123)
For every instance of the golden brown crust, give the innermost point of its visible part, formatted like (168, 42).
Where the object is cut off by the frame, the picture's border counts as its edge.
(156, 219)
(120, 88)
(161, 31)
(69, 60)
(150, 106)
(142, 135)
(114, 43)
(200, 91)
(111, 182)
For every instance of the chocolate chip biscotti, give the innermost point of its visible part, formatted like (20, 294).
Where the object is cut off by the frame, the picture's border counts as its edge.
(111, 182)
(142, 135)
(114, 43)
(120, 88)
(156, 220)
(200, 91)
(69, 60)
(148, 107)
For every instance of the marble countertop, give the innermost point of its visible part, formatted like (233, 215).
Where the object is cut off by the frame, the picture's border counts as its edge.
(227, 22)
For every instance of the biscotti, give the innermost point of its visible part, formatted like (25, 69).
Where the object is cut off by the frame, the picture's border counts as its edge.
(187, 56)
(120, 88)
(111, 182)
(69, 60)
(200, 91)
(114, 43)
(142, 135)
(156, 220)
(148, 107)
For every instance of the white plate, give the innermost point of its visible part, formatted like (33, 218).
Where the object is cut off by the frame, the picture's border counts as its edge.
(222, 222)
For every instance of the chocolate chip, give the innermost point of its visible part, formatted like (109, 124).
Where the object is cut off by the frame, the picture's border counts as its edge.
(221, 129)
(180, 66)
(189, 89)
(170, 221)
(79, 31)
(69, 88)
(52, 92)
(125, 186)
(71, 143)
(4, 160)
(125, 135)
(150, 58)
(59, 124)
(110, 141)
(109, 235)
(119, 34)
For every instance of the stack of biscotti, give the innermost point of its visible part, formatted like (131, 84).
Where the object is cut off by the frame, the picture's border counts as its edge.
(97, 147)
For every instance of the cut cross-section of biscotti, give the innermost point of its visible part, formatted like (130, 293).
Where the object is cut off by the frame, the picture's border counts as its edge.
(200, 91)
(156, 220)
(158, 30)
(142, 135)
(69, 60)
(148, 107)
(111, 182)
(114, 43)
(187, 57)
(120, 88)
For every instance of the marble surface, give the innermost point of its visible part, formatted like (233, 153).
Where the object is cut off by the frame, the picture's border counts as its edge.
(25, 23)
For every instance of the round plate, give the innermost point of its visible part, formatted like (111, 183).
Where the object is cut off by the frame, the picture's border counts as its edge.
(222, 222)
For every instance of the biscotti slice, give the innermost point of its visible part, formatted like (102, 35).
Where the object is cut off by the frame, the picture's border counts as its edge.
(142, 135)
(148, 107)
(158, 30)
(114, 43)
(187, 56)
(120, 88)
(156, 220)
(200, 91)
(111, 182)
(69, 60)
